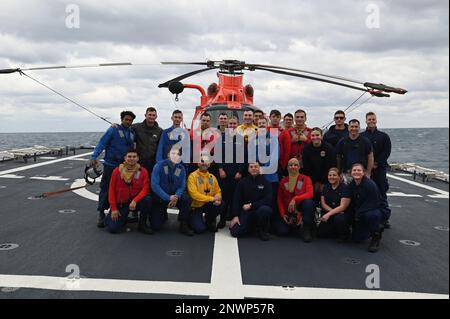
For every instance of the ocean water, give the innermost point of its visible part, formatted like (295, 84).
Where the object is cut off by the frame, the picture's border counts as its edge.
(427, 147)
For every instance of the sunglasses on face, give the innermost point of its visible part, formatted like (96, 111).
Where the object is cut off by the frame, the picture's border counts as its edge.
(338, 117)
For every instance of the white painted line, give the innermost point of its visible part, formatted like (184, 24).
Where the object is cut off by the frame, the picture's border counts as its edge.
(80, 159)
(23, 168)
(47, 157)
(402, 174)
(12, 176)
(400, 194)
(437, 190)
(83, 192)
(226, 276)
(438, 196)
(50, 178)
(199, 289)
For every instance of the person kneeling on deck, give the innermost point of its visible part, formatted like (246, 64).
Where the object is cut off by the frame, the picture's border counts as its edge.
(295, 202)
(335, 219)
(128, 191)
(366, 205)
(169, 186)
(252, 204)
(206, 198)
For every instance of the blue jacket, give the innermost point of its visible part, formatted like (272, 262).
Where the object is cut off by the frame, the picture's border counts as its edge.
(168, 179)
(365, 196)
(255, 190)
(166, 141)
(233, 168)
(381, 144)
(273, 158)
(116, 142)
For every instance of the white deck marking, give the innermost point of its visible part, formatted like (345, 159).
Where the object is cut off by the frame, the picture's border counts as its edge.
(438, 196)
(437, 190)
(226, 276)
(199, 289)
(50, 178)
(47, 157)
(23, 168)
(83, 192)
(11, 176)
(400, 194)
(402, 174)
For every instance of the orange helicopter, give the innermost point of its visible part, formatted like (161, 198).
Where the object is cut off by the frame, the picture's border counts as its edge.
(231, 96)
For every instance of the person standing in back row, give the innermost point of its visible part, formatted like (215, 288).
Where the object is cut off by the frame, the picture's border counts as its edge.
(337, 131)
(381, 144)
(354, 149)
(116, 142)
(148, 134)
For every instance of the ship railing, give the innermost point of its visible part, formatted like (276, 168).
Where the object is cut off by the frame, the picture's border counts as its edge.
(417, 171)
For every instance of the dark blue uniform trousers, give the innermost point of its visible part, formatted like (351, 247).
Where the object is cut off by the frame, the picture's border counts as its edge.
(259, 217)
(197, 222)
(366, 224)
(118, 226)
(103, 202)
(158, 214)
(337, 226)
(306, 207)
(379, 177)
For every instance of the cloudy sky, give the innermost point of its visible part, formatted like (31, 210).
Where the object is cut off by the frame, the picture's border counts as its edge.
(403, 43)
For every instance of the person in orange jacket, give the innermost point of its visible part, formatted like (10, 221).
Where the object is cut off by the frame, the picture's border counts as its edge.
(128, 191)
(295, 203)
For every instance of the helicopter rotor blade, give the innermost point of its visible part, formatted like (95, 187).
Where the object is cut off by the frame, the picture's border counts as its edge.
(307, 72)
(6, 71)
(184, 76)
(312, 78)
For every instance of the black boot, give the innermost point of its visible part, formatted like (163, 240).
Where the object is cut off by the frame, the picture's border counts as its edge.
(101, 220)
(387, 224)
(221, 223)
(142, 225)
(211, 225)
(185, 229)
(375, 243)
(307, 236)
(263, 233)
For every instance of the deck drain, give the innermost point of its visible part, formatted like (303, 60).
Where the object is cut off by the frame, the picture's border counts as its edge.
(410, 242)
(351, 261)
(174, 253)
(9, 289)
(8, 246)
(67, 167)
(395, 206)
(441, 228)
(67, 211)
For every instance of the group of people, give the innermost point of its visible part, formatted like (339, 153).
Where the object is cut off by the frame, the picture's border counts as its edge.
(324, 185)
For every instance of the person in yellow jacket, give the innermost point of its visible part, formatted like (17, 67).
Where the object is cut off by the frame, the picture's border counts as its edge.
(206, 196)
(248, 130)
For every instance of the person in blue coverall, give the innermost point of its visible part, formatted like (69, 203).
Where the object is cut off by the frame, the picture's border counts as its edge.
(115, 142)
(168, 184)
